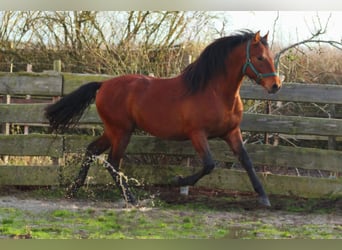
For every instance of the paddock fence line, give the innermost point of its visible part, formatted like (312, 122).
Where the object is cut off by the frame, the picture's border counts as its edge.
(43, 88)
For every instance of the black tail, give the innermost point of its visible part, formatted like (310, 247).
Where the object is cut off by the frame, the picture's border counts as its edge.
(70, 108)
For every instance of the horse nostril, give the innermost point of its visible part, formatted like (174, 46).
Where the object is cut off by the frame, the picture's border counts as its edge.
(274, 89)
(275, 86)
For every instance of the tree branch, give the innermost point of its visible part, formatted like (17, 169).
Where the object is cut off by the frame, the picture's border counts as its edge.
(320, 31)
(335, 44)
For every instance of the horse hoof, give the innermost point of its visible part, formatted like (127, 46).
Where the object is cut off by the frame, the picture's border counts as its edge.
(69, 196)
(133, 202)
(70, 193)
(130, 199)
(128, 204)
(265, 201)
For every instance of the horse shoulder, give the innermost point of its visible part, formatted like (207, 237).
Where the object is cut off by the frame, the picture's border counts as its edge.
(229, 115)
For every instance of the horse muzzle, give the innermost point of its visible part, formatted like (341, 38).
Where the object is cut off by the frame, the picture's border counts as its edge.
(275, 88)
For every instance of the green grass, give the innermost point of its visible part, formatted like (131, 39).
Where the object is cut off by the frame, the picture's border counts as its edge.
(151, 224)
(109, 224)
(202, 218)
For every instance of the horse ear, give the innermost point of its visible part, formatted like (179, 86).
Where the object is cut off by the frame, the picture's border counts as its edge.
(257, 37)
(266, 36)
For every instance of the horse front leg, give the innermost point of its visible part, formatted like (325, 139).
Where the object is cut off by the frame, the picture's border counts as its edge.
(234, 139)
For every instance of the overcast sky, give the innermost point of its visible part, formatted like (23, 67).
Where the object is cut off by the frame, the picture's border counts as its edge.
(292, 26)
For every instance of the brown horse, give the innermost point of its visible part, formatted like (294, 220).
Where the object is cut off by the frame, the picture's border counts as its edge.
(202, 102)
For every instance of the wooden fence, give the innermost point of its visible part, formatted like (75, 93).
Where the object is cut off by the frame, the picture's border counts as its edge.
(60, 147)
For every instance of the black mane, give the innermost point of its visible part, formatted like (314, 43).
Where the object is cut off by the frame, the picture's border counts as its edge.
(212, 60)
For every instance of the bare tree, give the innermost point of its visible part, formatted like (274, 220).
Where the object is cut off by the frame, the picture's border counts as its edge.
(109, 42)
(314, 38)
(15, 26)
(154, 39)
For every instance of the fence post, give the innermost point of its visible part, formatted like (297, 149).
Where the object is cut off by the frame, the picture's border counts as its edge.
(7, 125)
(268, 111)
(8, 101)
(57, 66)
(332, 139)
(28, 97)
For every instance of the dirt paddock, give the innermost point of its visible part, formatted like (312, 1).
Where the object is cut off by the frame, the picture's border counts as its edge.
(232, 214)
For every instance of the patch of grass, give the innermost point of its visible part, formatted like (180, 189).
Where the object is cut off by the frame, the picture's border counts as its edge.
(7, 221)
(47, 193)
(268, 231)
(62, 213)
(152, 224)
(190, 217)
(144, 226)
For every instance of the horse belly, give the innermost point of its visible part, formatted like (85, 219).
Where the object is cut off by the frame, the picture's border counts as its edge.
(158, 116)
(160, 122)
(180, 121)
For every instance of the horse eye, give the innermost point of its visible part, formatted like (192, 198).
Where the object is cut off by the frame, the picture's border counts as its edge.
(260, 58)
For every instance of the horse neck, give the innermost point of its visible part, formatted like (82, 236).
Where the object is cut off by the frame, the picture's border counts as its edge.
(230, 81)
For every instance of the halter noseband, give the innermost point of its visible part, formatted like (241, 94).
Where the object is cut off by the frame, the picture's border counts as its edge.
(249, 64)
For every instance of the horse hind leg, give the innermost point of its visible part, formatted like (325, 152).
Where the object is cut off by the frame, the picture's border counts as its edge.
(119, 144)
(200, 143)
(95, 148)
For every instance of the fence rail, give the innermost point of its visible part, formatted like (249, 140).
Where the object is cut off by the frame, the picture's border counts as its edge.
(33, 114)
(54, 85)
